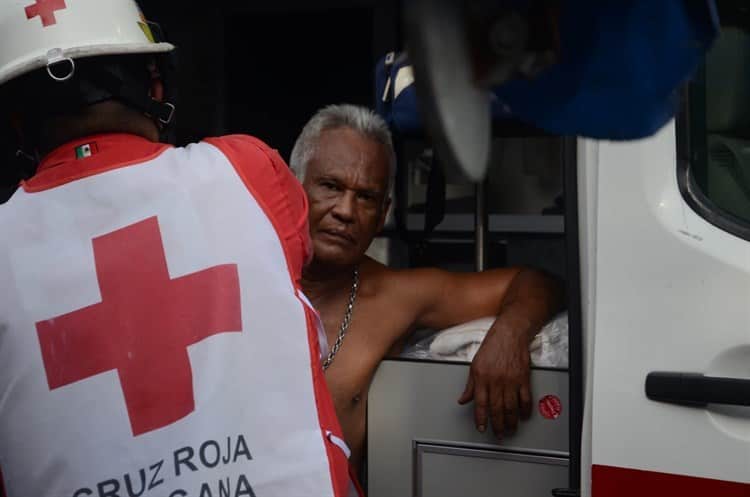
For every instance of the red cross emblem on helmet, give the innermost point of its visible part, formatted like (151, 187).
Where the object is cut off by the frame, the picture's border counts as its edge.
(45, 9)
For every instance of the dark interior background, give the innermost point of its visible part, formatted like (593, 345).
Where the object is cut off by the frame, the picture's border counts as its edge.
(263, 68)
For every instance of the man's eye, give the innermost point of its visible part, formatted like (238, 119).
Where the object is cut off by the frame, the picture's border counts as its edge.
(329, 185)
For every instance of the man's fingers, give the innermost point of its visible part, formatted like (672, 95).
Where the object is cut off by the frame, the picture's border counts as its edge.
(480, 407)
(468, 392)
(497, 412)
(510, 408)
(524, 397)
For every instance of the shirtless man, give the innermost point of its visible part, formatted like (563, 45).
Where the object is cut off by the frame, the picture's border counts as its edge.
(345, 160)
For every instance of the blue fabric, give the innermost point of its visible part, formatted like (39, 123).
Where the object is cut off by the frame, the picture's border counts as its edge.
(400, 112)
(621, 65)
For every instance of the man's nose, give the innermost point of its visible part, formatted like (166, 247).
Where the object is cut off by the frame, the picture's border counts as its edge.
(344, 210)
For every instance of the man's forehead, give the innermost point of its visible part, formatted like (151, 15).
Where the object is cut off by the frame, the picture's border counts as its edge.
(346, 151)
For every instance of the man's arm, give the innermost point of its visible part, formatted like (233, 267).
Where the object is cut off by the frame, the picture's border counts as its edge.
(523, 300)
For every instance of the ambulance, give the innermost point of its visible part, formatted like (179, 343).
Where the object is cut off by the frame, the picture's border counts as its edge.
(652, 239)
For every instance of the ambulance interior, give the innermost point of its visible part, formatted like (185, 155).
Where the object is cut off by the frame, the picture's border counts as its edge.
(526, 212)
(420, 442)
(237, 75)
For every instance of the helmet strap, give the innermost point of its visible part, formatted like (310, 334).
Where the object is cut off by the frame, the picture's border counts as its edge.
(131, 94)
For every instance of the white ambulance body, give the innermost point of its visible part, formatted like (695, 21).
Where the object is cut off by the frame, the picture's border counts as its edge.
(663, 290)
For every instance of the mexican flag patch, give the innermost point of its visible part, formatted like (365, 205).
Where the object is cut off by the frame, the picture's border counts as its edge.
(85, 150)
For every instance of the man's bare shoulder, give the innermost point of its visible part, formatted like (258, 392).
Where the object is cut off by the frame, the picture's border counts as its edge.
(387, 275)
(396, 297)
(395, 282)
(375, 278)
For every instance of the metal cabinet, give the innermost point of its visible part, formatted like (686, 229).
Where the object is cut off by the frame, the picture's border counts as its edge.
(422, 443)
(452, 471)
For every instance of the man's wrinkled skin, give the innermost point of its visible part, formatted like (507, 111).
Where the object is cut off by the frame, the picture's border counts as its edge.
(346, 183)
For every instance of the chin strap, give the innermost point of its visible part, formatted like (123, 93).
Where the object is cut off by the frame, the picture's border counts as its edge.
(121, 89)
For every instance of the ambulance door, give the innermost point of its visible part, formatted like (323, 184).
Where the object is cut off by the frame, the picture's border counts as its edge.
(667, 294)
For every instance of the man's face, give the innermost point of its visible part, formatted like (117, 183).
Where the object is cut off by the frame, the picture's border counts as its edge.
(346, 183)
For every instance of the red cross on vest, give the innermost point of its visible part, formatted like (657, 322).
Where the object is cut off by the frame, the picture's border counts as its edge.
(45, 9)
(143, 325)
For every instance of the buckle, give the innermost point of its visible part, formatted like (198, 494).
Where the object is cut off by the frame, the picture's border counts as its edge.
(168, 118)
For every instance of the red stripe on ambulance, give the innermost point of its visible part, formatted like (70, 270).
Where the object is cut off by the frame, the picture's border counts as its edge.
(609, 481)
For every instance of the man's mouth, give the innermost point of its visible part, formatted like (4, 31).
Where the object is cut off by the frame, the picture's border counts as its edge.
(338, 235)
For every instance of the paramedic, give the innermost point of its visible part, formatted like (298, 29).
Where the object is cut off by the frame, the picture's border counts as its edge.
(345, 160)
(138, 280)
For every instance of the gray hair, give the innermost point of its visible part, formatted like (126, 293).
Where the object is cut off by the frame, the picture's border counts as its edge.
(360, 119)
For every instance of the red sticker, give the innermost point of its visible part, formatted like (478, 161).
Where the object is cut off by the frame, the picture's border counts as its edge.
(550, 407)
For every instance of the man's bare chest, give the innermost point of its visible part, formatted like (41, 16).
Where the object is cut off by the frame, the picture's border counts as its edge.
(371, 331)
(361, 348)
(373, 328)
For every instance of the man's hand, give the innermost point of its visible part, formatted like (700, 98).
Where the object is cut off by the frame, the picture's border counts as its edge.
(522, 299)
(499, 380)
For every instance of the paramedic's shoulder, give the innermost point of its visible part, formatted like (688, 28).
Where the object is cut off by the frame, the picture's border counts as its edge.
(277, 190)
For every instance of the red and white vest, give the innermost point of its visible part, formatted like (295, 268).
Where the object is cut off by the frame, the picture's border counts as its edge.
(153, 342)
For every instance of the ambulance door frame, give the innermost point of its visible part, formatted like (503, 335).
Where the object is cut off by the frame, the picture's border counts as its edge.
(575, 317)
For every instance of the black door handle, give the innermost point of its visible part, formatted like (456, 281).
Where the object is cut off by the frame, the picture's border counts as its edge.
(566, 492)
(696, 389)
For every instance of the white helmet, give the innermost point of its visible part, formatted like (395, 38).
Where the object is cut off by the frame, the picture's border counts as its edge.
(39, 33)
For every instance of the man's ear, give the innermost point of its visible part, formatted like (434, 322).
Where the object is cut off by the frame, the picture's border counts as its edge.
(384, 213)
(157, 85)
(157, 89)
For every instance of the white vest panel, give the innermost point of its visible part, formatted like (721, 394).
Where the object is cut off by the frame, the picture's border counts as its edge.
(76, 418)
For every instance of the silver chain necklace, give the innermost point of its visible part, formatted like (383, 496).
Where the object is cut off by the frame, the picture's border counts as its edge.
(345, 323)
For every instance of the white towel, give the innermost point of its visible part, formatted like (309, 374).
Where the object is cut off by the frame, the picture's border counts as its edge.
(460, 343)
